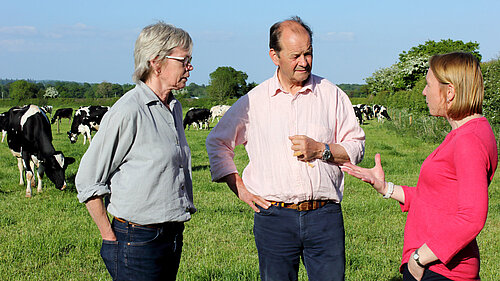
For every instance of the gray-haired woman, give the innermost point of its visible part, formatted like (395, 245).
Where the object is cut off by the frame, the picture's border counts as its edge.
(141, 160)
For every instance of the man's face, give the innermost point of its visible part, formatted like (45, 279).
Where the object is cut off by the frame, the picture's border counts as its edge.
(295, 58)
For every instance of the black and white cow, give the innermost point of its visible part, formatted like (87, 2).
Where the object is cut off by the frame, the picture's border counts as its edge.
(381, 113)
(86, 120)
(4, 124)
(367, 111)
(218, 111)
(29, 138)
(198, 116)
(62, 113)
(358, 113)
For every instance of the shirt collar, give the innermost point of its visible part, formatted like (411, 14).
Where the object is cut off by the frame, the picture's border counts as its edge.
(148, 97)
(277, 88)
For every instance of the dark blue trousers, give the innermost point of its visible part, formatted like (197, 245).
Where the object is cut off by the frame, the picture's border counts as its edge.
(143, 253)
(284, 236)
(428, 275)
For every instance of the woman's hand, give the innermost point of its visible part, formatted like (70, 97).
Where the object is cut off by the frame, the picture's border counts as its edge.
(415, 270)
(374, 176)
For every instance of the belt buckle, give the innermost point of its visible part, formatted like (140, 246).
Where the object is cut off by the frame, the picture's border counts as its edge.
(304, 206)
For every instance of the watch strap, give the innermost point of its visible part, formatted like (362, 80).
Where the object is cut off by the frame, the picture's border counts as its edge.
(416, 257)
(327, 154)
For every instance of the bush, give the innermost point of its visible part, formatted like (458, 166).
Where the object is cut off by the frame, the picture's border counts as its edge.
(491, 76)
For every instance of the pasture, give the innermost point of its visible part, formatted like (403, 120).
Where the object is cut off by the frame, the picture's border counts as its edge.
(51, 236)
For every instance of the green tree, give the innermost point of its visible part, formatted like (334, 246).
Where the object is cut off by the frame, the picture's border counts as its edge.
(88, 91)
(117, 90)
(226, 82)
(196, 90)
(127, 87)
(413, 65)
(50, 92)
(22, 89)
(104, 90)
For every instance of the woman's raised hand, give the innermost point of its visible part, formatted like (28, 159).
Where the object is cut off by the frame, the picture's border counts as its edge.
(374, 176)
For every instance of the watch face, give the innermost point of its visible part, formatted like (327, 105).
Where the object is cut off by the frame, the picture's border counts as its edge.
(416, 256)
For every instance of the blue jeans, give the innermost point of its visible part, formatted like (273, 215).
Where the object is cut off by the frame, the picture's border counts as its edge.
(284, 236)
(143, 253)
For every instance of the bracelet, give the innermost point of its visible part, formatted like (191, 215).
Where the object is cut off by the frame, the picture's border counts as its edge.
(390, 190)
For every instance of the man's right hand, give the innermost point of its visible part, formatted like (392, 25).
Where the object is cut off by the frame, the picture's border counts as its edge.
(235, 183)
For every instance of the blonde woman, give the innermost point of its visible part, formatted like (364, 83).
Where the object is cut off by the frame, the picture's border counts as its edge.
(448, 207)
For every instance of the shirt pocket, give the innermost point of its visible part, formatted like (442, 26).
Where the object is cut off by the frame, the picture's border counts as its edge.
(320, 133)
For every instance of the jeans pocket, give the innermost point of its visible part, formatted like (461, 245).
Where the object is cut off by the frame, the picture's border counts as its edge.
(266, 212)
(141, 236)
(109, 254)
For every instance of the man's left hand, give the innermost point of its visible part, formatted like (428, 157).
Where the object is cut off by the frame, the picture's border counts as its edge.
(305, 148)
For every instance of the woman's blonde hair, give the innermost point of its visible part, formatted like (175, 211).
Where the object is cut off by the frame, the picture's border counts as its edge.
(464, 72)
(157, 40)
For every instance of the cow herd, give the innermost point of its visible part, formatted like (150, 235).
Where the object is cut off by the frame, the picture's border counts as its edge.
(366, 112)
(29, 135)
(200, 118)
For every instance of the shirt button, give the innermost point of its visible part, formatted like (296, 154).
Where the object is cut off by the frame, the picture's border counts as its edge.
(180, 166)
(182, 187)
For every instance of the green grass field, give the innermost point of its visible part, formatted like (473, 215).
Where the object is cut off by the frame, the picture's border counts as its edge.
(51, 236)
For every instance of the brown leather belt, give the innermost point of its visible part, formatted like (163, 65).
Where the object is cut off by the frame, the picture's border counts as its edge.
(302, 206)
(155, 226)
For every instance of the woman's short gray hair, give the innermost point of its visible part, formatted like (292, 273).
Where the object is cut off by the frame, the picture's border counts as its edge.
(157, 40)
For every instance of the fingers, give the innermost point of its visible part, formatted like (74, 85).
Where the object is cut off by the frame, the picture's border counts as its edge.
(378, 160)
(298, 153)
(259, 201)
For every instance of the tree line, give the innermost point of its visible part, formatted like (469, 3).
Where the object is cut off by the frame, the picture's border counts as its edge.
(399, 85)
(226, 83)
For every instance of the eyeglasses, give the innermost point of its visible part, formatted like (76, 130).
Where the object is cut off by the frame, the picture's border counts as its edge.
(185, 61)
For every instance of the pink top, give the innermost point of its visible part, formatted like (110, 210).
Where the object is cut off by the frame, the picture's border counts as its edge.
(263, 119)
(448, 208)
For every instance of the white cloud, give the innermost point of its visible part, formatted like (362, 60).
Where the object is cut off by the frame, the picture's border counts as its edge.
(337, 36)
(18, 30)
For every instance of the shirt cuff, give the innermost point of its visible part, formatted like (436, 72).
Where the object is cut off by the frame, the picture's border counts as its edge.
(92, 191)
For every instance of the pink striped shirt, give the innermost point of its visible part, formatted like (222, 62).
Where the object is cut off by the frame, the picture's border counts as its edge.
(263, 120)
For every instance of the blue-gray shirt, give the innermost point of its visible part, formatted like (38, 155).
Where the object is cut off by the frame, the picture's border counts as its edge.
(140, 157)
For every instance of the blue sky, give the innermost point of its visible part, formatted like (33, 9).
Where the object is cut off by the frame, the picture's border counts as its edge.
(92, 41)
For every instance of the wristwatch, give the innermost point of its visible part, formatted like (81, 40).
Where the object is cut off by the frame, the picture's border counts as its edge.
(416, 257)
(327, 154)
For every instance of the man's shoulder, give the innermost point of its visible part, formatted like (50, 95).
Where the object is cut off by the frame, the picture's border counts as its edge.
(323, 82)
(263, 87)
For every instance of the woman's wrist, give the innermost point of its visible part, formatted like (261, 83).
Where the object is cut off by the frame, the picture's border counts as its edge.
(388, 190)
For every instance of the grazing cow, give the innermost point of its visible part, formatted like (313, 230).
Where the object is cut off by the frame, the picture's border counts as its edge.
(86, 120)
(30, 138)
(381, 113)
(198, 116)
(358, 113)
(218, 111)
(62, 113)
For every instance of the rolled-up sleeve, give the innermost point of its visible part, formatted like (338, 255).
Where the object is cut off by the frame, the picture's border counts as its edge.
(349, 134)
(227, 134)
(104, 155)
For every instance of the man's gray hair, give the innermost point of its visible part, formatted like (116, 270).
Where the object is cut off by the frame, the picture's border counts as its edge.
(157, 40)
